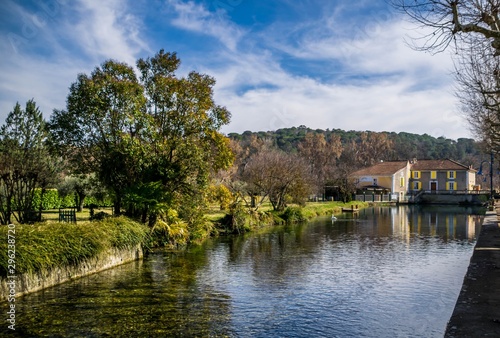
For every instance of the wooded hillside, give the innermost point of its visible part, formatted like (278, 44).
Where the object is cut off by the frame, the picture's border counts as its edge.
(405, 146)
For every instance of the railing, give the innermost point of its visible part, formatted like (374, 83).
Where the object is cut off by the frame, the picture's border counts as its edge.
(373, 198)
(413, 195)
(67, 215)
(449, 192)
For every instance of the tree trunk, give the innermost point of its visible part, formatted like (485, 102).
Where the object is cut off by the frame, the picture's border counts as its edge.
(81, 200)
(252, 201)
(117, 206)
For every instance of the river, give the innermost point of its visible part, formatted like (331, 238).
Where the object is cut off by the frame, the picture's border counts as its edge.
(382, 272)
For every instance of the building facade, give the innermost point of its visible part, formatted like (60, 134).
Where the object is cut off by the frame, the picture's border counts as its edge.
(441, 175)
(401, 179)
(389, 177)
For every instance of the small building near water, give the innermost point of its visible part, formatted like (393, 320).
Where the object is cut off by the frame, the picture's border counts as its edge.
(388, 179)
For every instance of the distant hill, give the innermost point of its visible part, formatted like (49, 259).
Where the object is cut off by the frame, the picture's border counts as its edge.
(405, 145)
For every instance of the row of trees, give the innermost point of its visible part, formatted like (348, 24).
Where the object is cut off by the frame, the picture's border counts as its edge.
(403, 145)
(262, 170)
(291, 164)
(152, 142)
(153, 159)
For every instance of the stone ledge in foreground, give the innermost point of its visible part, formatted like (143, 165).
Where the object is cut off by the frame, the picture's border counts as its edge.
(477, 311)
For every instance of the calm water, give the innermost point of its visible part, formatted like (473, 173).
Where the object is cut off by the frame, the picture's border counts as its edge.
(387, 272)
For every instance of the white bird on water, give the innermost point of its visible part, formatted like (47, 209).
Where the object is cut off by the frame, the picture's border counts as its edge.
(333, 218)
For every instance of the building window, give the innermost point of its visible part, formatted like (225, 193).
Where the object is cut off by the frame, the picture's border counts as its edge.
(375, 181)
(402, 182)
(417, 185)
(433, 175)
(452, 185)
(416, 174)
(451, 175)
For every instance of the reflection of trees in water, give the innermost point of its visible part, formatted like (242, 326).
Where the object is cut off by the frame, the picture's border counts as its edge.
(274, 255)
(161, 297)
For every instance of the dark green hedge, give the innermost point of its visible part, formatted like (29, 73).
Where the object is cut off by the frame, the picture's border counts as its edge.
(52, 200)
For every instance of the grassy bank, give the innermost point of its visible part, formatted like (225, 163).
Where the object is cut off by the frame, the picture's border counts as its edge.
(315, 209)
(242, 219)
(47, 245)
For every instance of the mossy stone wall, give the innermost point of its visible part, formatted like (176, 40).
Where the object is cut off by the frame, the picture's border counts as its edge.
(35, 281)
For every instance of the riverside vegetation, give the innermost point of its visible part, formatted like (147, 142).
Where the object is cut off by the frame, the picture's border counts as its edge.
(46, 245)
(43, 246)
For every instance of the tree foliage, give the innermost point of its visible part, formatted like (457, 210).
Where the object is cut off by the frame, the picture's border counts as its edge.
(25, 162)
(153, 141)
(321, 154)
(391, 146)
(185, 143)
(103, 126)
(332, 155)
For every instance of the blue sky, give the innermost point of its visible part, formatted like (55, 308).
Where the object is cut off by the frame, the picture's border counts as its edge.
(278, 63)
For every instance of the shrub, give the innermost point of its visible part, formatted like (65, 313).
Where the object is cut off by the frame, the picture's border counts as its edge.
(169, 231)
(99, 216)
(50, 199)
(235, 221)
(293, 214)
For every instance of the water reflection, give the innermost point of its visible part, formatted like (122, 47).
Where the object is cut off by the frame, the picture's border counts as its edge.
(446, 222)
(380, 272)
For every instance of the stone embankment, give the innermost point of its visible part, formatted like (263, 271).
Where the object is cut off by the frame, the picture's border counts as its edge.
(31, 282)
(477, 311)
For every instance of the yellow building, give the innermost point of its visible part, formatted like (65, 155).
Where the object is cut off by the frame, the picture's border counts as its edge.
(389, 177)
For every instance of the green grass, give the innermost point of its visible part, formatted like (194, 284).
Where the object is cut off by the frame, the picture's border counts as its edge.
(48, 245)
(314, 209)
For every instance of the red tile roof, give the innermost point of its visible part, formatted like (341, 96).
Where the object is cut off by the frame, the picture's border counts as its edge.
(381, 169)
(438, 165)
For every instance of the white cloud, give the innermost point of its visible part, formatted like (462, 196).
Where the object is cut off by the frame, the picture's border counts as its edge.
(370, 79)
(66, 39)
(47, 82)
(106, 30)
(385, 86)
(378, 107)
(196, 18)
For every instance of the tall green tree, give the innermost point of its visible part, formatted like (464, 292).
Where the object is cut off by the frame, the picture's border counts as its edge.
(153, 141)
(104, 127)
(25, 162)
(186, 145)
